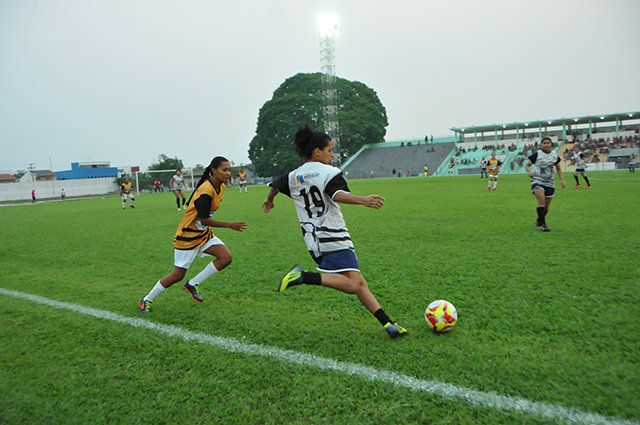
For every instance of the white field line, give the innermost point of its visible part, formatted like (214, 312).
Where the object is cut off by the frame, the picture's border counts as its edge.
(489, 400)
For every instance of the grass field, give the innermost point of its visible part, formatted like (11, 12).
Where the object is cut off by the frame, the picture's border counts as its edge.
(545, 318)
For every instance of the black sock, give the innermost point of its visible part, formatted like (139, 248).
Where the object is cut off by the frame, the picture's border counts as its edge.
(382, 316)
(587, 180)
(577, 182)
(311, 278)
(183, 202)
(541, 214)
(178, 202)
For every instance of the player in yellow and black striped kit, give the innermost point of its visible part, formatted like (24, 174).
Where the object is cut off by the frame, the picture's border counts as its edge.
(194, 237)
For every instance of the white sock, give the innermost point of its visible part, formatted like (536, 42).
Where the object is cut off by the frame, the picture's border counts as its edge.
(157, 290)
(205, 274)
(495, 183)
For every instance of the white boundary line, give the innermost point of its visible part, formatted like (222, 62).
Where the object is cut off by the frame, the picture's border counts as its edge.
(452, 392)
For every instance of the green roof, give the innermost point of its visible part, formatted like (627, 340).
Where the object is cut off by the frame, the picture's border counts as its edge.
(555, 122)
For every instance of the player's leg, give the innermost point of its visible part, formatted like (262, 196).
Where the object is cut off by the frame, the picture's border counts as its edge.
(177, 194)
(349, 281)
(183, 199)
(124, 201)
(495, 182)
(176, 275)
(586, 179)
(132, 199)
(575, 176)
(223, 259)
(538, 192)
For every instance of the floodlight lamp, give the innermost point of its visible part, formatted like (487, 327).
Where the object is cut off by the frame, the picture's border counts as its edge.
(601, 118)
(548, 122)
(575, 119)
(630, 115)
(526, 124)
(328, 25)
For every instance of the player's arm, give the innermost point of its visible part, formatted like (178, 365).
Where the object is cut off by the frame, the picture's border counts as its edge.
(202, 204)
(528, 168)
(281, 184)
(559, 170)
(171, 184)
(268, 204)
(371, 201)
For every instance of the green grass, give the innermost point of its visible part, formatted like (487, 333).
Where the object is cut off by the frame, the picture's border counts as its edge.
(548, 317)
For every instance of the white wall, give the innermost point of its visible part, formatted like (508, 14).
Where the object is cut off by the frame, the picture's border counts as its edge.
(51, 189)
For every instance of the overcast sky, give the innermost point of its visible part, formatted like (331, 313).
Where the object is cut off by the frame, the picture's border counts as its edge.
(126, 80)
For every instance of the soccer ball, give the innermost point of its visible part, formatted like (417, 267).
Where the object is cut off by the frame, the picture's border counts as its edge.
(441, 315)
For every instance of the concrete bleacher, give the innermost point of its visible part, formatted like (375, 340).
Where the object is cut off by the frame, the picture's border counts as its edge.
(383, 158)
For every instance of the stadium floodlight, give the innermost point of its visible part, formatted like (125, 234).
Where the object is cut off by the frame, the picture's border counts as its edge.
(601, 118)
(328, 31)
(328, 25)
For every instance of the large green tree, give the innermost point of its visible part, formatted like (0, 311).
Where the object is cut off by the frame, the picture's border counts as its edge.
(298, 101)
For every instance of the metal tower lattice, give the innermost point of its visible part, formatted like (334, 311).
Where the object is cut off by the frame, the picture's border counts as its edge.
(329, 92)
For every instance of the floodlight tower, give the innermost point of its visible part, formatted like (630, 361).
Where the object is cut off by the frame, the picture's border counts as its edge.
(328, 31)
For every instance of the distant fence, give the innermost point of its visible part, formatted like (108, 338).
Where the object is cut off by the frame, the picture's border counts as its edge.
(53, 189)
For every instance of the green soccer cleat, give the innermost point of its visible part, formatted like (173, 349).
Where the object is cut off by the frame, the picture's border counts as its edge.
(395, 330)
(193, 290)
(292, 278)
(145, 306)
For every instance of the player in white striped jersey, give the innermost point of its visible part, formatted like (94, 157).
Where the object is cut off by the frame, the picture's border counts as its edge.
(316, 189)
(542, 182)
(578, 158)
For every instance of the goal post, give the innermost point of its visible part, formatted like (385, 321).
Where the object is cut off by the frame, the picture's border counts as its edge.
(188, 171)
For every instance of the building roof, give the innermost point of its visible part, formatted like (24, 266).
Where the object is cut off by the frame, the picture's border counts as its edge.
(7, 177)
(43, 173)
(555, 122)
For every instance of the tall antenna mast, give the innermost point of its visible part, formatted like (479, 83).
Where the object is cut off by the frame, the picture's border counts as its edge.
(328, 31)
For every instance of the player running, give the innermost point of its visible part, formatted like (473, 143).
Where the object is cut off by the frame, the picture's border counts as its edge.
(578, 158)
(316, 189)
(542, 182)
(125, 191)
(493, 166)
(176, 184)
(194, 237)
(242, 179)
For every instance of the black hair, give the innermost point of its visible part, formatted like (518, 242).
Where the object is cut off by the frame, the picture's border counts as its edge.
(214, 164)
(307, 140)
(546, 138)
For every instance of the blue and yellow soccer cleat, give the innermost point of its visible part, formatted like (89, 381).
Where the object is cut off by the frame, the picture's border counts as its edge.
(292, 278)
(193, 290)
(395, 330)
(145, 306)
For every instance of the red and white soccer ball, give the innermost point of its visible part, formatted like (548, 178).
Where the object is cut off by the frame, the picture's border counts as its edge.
(441, 316)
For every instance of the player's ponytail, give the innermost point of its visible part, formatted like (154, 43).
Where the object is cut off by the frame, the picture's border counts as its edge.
(307, 140)
(214, 164)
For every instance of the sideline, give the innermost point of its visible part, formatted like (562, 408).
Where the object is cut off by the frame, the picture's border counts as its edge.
(473, 397)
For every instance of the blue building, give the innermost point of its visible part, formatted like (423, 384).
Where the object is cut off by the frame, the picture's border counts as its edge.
(88, 170)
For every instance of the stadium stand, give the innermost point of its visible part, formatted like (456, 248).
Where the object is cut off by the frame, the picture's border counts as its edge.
(408, 159)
